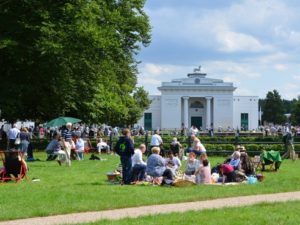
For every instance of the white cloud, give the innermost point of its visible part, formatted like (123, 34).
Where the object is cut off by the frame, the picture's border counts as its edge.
(276, 57)
(232, 79)
(291, 36)
(149, 81)
(232, 68)
(297, 77)
(244, 91)
(280, 67)
(162, 70)
(289, 90)
(235, 42)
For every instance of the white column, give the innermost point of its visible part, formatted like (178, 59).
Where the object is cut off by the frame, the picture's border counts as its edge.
(208, 111)
(186, 111)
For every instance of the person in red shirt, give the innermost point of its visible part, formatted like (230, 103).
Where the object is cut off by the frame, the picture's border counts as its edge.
(228, 173)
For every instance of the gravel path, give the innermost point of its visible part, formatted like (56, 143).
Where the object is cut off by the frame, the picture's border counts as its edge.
(155, 209)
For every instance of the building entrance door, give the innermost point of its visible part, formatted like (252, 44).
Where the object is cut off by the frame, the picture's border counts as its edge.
(244, 121)
(196, 121)
(148, 121)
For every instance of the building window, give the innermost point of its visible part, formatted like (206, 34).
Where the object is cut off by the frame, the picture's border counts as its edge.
(197, 81)
(196, 104)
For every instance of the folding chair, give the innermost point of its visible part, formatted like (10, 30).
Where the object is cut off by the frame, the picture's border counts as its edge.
(15, 168)
(256, 161)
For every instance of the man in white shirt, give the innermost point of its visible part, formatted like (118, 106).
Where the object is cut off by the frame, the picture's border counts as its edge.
(156, 141)
(138, 164)
(194, 130)
(102, 145)
(12, 136)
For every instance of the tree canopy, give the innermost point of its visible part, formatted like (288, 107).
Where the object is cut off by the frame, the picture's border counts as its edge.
(273, 108)
(72, 57)
(296, 112)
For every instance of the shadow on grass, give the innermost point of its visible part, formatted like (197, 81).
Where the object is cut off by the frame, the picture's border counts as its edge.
(93, 184)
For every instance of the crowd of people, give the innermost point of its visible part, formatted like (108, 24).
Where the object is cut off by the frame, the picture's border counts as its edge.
(163, 167)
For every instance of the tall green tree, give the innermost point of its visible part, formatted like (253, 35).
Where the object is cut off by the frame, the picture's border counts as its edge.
(296, 113)
(288, 105)
(70, 57)
(273, 108)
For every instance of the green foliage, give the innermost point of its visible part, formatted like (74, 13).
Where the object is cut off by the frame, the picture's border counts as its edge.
(273, 110)
(71, 58)
(288, 105)
(296, 113)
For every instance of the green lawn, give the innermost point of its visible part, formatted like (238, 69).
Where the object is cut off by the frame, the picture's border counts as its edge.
(261, 214)
(83, 187)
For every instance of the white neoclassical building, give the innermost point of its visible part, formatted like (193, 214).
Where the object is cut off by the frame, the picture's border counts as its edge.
(200, 101)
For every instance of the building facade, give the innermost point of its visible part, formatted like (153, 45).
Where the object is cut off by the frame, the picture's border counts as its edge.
(202, 102)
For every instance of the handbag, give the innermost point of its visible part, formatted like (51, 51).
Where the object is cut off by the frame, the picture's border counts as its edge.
(18, 141)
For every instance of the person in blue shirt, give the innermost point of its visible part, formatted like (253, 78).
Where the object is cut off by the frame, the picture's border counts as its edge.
(125, 149)
(235, 161)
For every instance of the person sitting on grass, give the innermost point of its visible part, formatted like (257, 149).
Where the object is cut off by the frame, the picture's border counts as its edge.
(175, 146)
(156, 167)
(64, 152)
(235, 161)
(138, 164)
(203, 174)
(102, 145)
(192, 164)
(247, 166)
(173, 163)
(203, 157)
(198, 148)
(53, 147)
(79, 147)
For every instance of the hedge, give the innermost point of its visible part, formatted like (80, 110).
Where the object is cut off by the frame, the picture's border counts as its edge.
(40, 145)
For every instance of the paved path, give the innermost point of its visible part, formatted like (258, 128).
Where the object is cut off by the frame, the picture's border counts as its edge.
(155, 209)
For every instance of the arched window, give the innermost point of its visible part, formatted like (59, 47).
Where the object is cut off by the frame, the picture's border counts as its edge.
(197, 81)
(196, 104)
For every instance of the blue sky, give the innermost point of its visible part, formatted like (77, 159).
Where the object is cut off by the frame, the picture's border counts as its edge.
(253, 43)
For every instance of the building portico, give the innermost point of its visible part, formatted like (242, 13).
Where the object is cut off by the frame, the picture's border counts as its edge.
(195, 100)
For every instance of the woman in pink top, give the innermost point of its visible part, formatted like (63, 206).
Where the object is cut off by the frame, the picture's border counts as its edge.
(204, 174)
(228, 173)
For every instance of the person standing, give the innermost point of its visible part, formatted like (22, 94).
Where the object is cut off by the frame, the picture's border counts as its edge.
(67, 133)
(289, 146)
(156, 141)
(13, 133)
(67, 142)
(25, 139)
(125, 149)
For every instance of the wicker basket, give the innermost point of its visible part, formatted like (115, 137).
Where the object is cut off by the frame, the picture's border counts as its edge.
(260, 177)
(112, 176)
